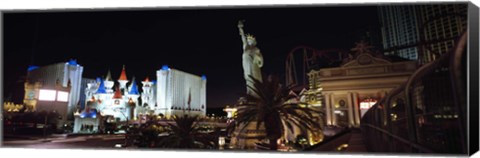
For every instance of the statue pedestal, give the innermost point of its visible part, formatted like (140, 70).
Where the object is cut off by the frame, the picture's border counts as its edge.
(247, 138)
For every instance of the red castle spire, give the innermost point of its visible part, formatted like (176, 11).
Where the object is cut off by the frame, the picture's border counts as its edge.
(123, 75)
(118, 94)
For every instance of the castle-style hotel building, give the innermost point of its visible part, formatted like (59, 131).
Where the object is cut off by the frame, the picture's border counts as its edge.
(87, 102)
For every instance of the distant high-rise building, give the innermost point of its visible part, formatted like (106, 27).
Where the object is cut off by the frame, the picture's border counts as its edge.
(437, 25)
(399, 26)
(180, 93)
(442, 23)
(54, 87)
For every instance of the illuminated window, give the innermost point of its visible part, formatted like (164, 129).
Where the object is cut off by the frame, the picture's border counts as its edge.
(367, 104)
(62, 96)
(47, 95)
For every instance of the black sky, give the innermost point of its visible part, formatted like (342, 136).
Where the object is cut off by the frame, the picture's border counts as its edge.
(198, 41)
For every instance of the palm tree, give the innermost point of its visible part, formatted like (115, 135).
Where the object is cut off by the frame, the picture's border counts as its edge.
(186, 134)
(272, 107)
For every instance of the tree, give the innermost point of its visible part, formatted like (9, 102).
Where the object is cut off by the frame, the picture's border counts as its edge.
(275, 109)
(186, 134)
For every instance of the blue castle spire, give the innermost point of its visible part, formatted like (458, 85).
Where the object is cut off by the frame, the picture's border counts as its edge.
(101, 87)
(134, 89)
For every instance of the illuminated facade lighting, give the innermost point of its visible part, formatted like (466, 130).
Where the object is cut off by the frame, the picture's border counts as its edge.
(62, 96)
(47, 95)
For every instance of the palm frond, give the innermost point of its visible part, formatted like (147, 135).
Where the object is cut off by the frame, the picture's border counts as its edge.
(273, 107)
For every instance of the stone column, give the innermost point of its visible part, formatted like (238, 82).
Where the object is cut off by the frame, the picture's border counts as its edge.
(327, 109)
(333, 108)
(356, 110)
(351, 119)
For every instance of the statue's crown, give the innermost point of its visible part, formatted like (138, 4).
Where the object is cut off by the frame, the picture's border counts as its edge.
(250, 37)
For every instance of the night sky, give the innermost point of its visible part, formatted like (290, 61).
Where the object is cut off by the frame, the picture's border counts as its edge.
(198, 41)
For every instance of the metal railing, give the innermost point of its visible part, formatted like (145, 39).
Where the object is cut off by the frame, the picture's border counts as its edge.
(427, 113)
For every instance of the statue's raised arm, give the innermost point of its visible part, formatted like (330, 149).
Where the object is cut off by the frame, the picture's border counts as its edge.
(252, 59)
(242, 33)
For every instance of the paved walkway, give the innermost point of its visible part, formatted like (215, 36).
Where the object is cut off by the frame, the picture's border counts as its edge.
(356, 144)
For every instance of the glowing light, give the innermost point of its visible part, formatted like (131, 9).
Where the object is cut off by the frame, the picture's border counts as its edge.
(47, 95)
(367, 104)
(62, 96)
(231, 112)
(394, 117)
(204, 77)
(342, 147)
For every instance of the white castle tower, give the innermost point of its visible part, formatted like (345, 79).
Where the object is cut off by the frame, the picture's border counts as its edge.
(132, 99)
(148, 94)
(109, 83)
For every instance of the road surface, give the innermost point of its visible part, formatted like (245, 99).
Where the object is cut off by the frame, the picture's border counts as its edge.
(77, 142)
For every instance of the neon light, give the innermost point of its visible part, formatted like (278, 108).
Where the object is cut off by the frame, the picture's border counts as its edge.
(47, 95)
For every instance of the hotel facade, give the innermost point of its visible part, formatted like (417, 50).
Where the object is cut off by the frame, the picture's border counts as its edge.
(54, 88)
(345, 93)
(180, 93)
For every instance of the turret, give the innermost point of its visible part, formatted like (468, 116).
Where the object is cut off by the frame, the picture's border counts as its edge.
(133, 89)
(123, 79)
(117, 97)
(101, 94)
(148, 94)
(101, 87)
(109, 83)
(147, 86)
(132, 98)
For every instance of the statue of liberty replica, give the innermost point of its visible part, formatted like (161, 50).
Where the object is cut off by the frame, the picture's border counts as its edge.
(252, 60)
